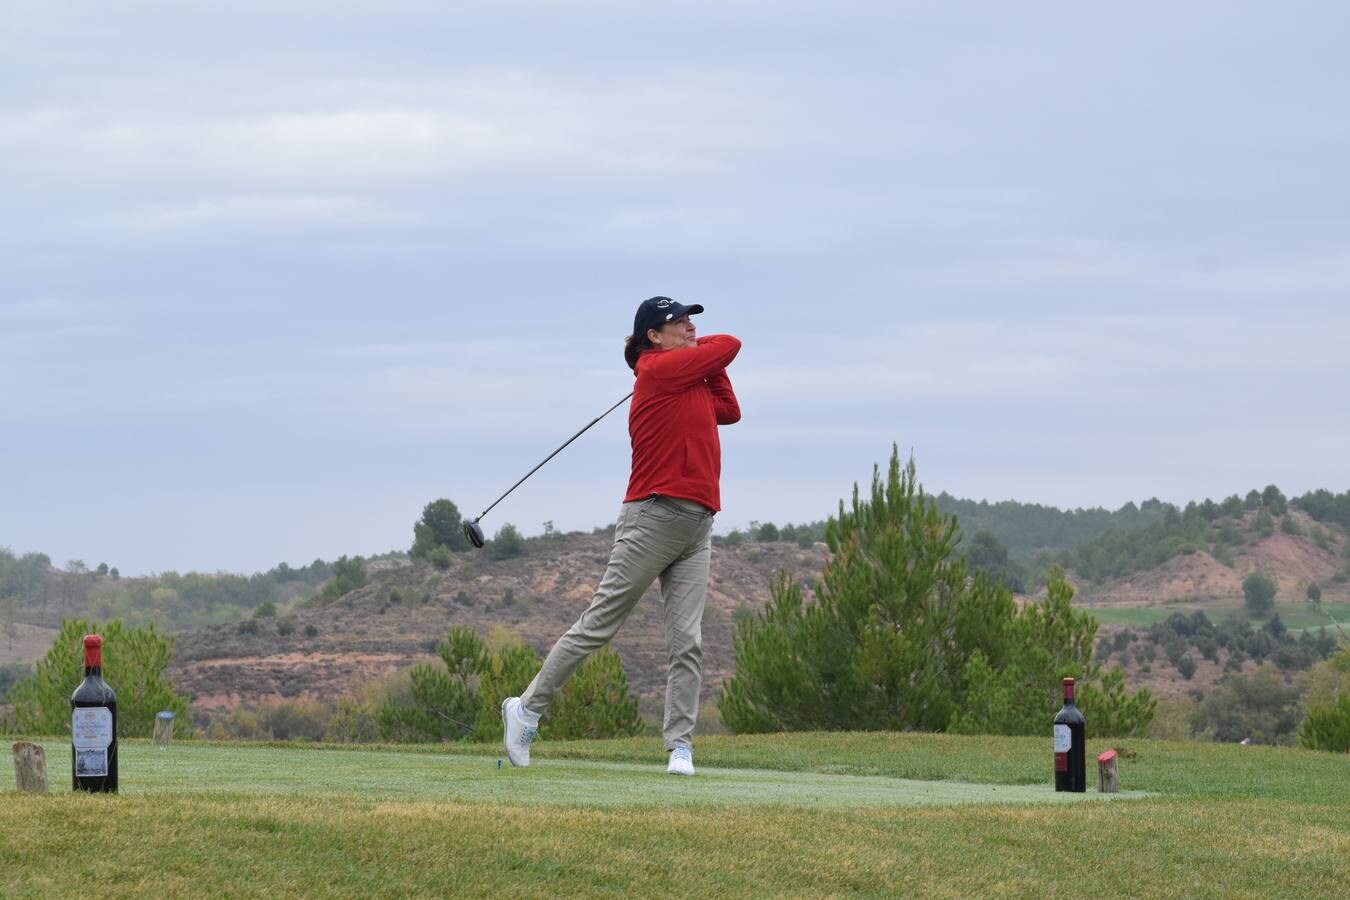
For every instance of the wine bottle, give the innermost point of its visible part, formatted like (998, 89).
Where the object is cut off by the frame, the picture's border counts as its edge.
(1070, 745)
(93, 725)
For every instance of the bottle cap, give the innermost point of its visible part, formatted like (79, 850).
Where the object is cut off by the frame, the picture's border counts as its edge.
(93, 651)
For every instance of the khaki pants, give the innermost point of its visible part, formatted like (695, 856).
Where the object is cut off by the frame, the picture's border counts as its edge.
(662, 538)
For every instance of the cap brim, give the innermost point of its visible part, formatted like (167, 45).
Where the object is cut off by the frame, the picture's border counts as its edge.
(693, 310)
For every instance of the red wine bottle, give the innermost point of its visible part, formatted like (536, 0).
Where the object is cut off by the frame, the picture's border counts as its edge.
(1070, 745)
(93, 725)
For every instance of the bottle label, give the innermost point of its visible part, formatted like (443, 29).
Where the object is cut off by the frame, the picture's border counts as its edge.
(1063, 740)
(91, 733)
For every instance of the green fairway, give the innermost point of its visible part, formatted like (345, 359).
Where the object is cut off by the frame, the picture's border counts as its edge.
(435, 777)
(1295, 616)
(874, 814)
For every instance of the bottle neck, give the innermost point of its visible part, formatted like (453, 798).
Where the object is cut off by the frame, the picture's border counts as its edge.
(1068, 693)
(96, 671)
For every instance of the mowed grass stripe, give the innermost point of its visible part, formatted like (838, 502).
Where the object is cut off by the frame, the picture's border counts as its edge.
(288, 846)
(392, 775)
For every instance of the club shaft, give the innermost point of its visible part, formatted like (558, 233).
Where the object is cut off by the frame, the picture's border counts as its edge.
(551, 455)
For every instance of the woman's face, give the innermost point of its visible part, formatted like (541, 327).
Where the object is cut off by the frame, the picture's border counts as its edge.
(673, 335)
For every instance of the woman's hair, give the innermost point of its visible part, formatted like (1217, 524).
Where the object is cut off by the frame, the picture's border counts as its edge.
(632, 346)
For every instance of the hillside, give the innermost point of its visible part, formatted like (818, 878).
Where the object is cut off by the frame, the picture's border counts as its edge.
(1214, 568)
(407, 607)
(317, 649)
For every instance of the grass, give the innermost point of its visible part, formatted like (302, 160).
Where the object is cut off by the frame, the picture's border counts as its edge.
(801, 814)
(1295, 616)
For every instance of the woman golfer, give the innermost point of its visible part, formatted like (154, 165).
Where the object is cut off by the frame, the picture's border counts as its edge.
(665, 526)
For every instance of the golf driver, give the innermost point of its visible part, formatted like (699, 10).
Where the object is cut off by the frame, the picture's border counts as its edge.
(471, 529)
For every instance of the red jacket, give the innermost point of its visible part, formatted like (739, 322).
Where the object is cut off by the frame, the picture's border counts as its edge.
(680, 398)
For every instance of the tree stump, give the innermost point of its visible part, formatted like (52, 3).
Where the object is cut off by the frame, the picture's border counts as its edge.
(30, 767)
(1108, 778)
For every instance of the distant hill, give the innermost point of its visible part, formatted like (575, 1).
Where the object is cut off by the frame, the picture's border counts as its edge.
(397, 618)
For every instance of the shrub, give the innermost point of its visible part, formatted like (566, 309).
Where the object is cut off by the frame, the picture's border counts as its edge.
(293, 720)
(594, 703)
(1186, 666)
(1264, 524)
(248, 626)
(1258, 591)
(462, 700)
(1320, 538)
(506, 543)
(439, 557)
(11, 674)
(1327, 728)
(348, 575)
(265, 610)
(768, 532)
(285, 627)
(1314, 592)
(1260, 707)
(352, 722)
(1291, 527)
(311, 631)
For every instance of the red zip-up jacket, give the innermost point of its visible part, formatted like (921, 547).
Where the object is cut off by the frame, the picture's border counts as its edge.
(680, 398)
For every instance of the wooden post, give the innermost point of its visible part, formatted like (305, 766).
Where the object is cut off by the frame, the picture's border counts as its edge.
(1108, 778)
(30, 767)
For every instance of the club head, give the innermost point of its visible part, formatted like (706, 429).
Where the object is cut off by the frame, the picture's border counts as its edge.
(474, 533)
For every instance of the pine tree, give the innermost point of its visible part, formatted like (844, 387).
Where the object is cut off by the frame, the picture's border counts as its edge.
(902, 637)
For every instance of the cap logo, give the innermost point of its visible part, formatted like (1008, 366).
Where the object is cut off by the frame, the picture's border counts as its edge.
(662, 303)
(669, 316)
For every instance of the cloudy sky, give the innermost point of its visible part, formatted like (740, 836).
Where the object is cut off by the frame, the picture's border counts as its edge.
(274, 275)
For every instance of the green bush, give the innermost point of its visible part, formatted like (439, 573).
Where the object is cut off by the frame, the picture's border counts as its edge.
(11, 674)
(1258, 591)
(1186, 666)
(1314, 592)
(1327, 728)
(439, 557)
(1264, 524)
(348, 575)
(265, 610)
(1290, 527)
(594, 703)
(462, 700)
(506, 543)
(1259, 707)
(901, 638)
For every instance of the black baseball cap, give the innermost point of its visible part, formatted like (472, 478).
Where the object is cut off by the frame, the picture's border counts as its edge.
(657, 311)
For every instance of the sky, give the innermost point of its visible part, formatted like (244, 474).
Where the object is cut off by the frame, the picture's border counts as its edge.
(273, 276)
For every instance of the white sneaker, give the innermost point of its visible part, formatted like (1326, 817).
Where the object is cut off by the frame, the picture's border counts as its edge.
(516, 733)
(681, 761)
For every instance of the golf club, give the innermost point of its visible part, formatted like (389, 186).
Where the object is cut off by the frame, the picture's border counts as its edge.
(471, 529)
